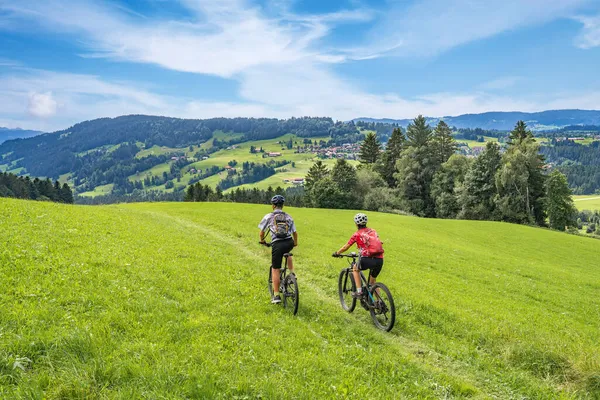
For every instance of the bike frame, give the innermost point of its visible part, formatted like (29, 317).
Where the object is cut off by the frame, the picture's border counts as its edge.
(365, 282)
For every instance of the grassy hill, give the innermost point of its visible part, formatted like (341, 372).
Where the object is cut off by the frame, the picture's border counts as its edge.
(169, 300)
(587, 202)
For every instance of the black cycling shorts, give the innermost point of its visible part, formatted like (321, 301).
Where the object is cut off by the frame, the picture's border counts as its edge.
(372, 263)
(278, 249)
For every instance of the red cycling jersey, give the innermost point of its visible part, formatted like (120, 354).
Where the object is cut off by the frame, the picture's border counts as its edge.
(357, 238)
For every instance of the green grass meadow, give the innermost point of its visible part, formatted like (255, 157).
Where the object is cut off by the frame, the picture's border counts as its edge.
(587, 202)
(169, 301)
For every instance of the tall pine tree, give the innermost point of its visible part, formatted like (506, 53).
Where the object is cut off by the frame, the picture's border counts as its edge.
(317, 172)
(519, 134)
(418, 134)
(559, 203)
(479, 188)
(370, 149)
(443, 144)
(416, 168)
(391, 155)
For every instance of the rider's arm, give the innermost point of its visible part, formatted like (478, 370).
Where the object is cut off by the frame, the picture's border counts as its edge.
(347, 245)
(343, 248)
(295, 235)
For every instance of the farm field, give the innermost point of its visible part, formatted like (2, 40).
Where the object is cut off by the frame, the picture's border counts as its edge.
(98, 191)
(475, 143)
(169, 300)
(241, 154)
(299, 171)
(587, 202)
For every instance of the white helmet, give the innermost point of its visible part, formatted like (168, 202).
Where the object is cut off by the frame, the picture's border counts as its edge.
(360, 219)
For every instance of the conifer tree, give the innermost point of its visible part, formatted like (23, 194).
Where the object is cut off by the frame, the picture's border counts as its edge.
(479, 188)
(443, 143)
(391, 155)
(317, 172)
(418, 133)
(519, 134)
(559, 202)
(370, 149)
(66, 194)
(415, 169)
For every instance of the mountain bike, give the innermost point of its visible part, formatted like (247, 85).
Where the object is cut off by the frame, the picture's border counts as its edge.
(376, 298)
(288, 285)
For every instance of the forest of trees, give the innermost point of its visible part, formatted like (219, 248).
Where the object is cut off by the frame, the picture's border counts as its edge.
(579, 162)
(20, 187)
(294, 196)
(420, 173)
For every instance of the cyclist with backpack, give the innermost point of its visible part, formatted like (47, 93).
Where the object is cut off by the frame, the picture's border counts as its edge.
(283, 239)
(370, 250)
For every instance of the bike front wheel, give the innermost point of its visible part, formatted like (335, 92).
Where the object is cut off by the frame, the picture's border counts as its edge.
(383, 310)
(291, 295)
(346, 287)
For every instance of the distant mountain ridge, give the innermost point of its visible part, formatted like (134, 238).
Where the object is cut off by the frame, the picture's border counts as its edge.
(504, 121)
(10, 134)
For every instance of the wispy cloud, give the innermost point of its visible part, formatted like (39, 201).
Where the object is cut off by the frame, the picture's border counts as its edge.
(224, 37)
(430, 27)
(590, 36)
(501, 83)
(277, 56)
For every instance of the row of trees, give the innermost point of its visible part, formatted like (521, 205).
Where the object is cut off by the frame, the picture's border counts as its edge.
(34, 189)
(199, 192)
(420, 173)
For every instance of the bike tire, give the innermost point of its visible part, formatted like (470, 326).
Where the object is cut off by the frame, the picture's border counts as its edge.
(383, 311)
(291, 294)
(346, 286)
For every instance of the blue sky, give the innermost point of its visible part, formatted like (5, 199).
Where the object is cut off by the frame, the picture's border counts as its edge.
(63, 62)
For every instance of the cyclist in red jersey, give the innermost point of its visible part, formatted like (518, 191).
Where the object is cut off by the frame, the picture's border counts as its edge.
(369, 258)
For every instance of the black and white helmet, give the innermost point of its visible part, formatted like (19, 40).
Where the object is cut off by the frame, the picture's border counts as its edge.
(360, 219)
(278, 199)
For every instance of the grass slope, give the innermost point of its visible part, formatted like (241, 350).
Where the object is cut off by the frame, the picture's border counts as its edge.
(587, 202)
(170, 301)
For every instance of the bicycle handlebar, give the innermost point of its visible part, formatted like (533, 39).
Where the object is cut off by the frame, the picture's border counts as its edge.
(265, 244)
(351, 255)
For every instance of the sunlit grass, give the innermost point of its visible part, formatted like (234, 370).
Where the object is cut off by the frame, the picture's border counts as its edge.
(169, 300)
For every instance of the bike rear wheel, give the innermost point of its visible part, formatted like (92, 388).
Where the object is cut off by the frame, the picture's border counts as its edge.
(346, 287)
(383, 310)
(291, 295)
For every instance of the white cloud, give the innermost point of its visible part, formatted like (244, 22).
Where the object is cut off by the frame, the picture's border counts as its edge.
(277, 58)
(264, 93)
(224, 37)
(42, 105)
(430, 27)
(590, 36)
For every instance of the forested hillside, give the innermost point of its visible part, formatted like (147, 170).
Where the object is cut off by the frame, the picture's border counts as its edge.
(10, 134)
(506, 120)
(109, 150)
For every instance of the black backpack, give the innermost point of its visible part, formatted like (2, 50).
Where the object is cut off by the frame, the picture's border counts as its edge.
(280, 226)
